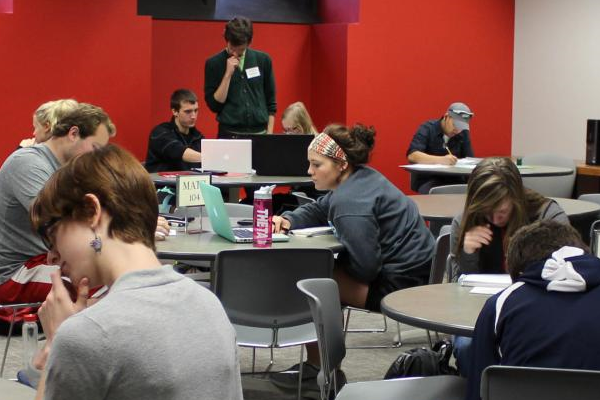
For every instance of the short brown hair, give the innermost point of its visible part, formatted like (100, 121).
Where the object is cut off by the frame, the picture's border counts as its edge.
(239, 31)
(87, 118)
(537, 242)
(180, 96)
(121, 184)
(357, 141)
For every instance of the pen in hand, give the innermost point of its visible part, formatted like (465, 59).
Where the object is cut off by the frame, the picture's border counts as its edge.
(450, 158)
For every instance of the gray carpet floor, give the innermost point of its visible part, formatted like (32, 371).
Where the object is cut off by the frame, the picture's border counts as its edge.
(358, 365)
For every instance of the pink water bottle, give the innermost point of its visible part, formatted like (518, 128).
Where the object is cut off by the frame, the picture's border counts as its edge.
(263, 217)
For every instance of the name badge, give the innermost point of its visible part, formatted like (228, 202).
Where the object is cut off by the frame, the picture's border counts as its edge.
(252, 72)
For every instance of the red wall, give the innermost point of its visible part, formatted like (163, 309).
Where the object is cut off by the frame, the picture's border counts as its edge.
(401, 64)
(6, 6)
(93, 51)
(180, 48)
(330, 77)
(407, 64)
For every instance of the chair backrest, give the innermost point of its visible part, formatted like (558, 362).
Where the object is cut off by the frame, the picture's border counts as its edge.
(595, 238)
(526, 383)
(551, 186)
(257, 287)
(592, 197)
(236, 210)
(449, 189)
(440, 255)
(324, 300)
(451, 268)
(302, 198)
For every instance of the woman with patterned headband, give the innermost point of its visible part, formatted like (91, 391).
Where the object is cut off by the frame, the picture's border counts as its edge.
(387, 245)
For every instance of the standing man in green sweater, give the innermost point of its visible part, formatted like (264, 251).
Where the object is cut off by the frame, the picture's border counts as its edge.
(239, 85)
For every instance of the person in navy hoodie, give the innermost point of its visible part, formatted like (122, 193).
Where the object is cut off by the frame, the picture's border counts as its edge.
(549, 317)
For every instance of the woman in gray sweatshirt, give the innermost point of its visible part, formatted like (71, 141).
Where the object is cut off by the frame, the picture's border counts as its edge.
(387, 244)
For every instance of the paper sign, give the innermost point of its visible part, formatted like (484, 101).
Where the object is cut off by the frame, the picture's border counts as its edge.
(188, 189)
(252, 72)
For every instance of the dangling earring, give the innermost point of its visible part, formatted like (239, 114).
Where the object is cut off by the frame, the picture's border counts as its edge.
(96, 243)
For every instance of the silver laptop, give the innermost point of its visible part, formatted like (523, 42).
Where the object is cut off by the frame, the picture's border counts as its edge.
(227, 155)
(219, 219)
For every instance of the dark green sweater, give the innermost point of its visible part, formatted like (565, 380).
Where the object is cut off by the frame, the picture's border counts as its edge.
(250, 101)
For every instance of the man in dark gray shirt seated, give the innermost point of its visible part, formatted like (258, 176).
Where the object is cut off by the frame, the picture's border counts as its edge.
(175, 145)
(440, 141)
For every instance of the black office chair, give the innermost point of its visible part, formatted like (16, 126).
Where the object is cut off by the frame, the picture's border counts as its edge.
(501, 382)
(439, 262)
(442, 250)
(257, 288)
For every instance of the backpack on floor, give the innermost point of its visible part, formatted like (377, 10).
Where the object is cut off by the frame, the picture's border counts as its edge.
(423, 362)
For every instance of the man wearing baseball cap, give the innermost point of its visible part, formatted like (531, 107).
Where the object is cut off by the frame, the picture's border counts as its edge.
(441, 141)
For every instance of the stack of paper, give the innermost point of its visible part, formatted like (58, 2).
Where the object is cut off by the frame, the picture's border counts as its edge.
(309, 232)
(425, 166)
(462, 162)
(485, 280)
(485, 290)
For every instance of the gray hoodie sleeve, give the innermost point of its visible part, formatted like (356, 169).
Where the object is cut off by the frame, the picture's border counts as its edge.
(309, 215)
(359, 234)
(553, 211)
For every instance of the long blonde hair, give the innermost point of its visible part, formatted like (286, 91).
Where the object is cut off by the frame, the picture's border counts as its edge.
(494, 180)
(298, 113)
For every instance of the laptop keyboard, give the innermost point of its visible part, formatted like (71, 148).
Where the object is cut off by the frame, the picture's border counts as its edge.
(243, 233)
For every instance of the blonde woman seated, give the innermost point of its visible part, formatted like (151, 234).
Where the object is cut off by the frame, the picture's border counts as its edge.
(45, 118)
(98, 215)
(296, 120)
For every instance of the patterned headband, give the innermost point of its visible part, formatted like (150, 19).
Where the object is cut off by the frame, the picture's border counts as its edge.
(323, 144)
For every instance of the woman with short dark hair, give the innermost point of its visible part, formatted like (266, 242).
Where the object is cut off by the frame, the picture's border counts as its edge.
(97, 216)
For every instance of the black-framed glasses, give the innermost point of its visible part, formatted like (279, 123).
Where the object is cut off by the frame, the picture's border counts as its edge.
(46, 232)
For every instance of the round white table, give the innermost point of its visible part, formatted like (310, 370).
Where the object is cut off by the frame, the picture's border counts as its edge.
(239, 180)
(206, 245)
(11, 390)
(452, 170)
(443, 207)
(446, 307)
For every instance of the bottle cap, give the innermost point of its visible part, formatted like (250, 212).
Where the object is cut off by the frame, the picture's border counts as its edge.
(30, 317)
(265, 192)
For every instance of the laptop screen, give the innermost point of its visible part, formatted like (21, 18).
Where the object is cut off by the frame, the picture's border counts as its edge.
(278, 154)
(227, 155)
